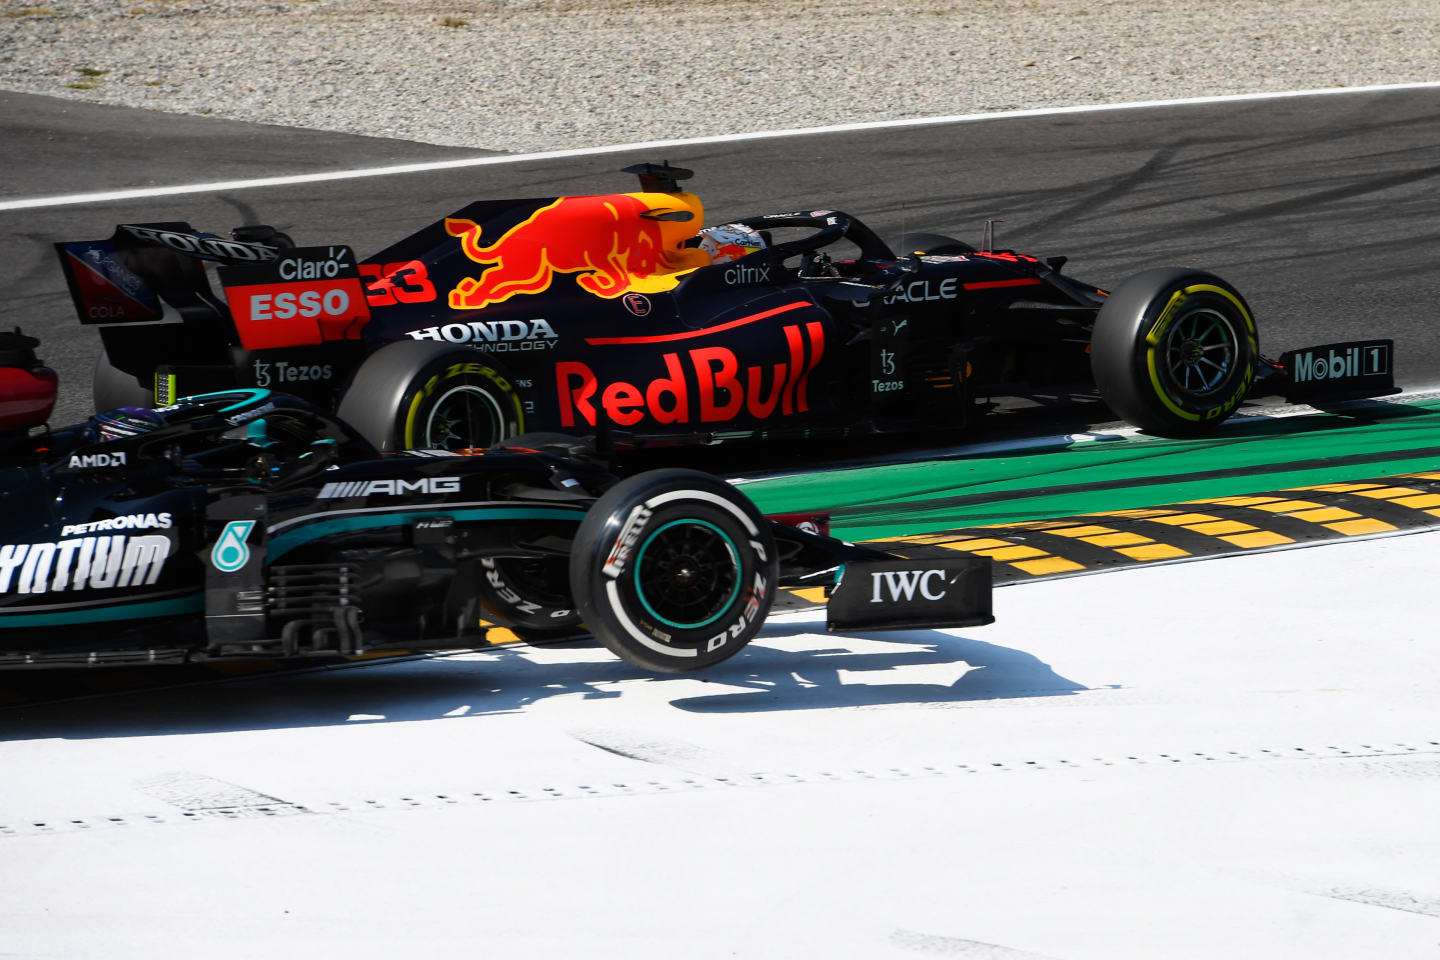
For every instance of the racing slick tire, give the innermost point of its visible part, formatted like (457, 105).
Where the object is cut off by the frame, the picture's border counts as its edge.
(416, 394)
(931, 243)
(1174, 351)
(113, 387)
(673, 570)
(528, 596)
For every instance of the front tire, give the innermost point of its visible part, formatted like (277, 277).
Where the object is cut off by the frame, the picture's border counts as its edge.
(417, 395)
(1173, 351)
(673, 570)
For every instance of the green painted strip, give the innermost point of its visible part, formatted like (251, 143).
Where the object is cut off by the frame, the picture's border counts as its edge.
(894, 500)
(289, 540)
(195, 603)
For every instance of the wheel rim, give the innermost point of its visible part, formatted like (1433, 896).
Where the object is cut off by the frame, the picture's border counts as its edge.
(1200, 350)
(687, 574)
(463, 417)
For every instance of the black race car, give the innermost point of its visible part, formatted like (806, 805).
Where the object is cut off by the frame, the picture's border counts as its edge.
(617, 317)
(249, 523)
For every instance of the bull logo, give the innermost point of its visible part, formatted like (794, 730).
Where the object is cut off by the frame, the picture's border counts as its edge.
(613, 243)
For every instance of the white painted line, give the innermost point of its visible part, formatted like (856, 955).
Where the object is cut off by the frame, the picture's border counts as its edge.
(489, 161)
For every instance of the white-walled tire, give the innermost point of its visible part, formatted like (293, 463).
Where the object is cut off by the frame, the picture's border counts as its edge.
(673, 570)
(530, 597)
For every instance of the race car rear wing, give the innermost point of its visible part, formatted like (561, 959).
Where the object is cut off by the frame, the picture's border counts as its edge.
(277, 295)
(132, 275)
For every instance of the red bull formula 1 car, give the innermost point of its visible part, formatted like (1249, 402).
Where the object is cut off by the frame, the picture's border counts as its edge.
(619, 317)
(248, 523)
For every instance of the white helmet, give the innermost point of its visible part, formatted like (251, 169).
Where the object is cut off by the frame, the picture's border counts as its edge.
(730, 241)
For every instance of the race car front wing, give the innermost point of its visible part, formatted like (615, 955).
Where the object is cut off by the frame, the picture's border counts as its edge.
(897, 593)
(1332, 372)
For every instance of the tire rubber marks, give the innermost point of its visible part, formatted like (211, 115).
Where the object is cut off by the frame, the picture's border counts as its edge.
(964, 766)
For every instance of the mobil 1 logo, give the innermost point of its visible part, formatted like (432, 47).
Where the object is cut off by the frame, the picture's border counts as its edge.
(1358, 368)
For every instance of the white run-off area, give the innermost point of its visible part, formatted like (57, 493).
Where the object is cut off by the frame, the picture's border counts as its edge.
(1231, 758)
(526, 75)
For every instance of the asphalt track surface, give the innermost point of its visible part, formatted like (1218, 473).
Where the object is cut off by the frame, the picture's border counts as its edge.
(1324, 211)
(1183, 780)
(1228, 759)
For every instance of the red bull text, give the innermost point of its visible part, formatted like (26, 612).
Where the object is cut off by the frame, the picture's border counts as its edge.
(723, 391)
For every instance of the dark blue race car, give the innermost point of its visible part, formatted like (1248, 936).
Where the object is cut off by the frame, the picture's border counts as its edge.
(250, 523)
(623, 318)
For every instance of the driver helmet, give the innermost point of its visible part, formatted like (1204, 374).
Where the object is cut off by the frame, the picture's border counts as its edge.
(124, 422)
(730, 241)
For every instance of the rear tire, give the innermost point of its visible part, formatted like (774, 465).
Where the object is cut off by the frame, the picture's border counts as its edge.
(530, 597)
(418, 395)
(1173, 351)
(673, 570)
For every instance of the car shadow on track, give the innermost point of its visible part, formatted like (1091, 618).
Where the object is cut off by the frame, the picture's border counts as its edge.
(789, 667)
(797, 669)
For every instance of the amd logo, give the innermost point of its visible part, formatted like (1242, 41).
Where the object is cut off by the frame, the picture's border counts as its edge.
(393, 488)
(91, 461)
(897, 585)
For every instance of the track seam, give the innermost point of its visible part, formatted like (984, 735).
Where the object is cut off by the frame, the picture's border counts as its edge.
(655, 786)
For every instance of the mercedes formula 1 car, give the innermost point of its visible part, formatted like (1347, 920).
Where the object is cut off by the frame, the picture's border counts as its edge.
(620, 317)
(249, 523)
